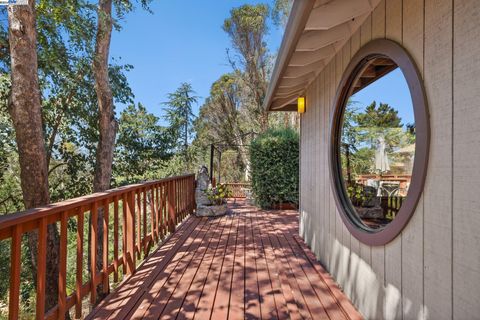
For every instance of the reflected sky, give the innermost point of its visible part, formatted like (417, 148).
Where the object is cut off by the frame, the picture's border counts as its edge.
(391, 89)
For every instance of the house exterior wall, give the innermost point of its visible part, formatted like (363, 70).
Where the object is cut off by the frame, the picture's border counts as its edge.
(432, 270)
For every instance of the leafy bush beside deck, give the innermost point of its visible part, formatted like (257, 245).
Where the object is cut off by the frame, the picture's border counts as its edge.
(274, 157)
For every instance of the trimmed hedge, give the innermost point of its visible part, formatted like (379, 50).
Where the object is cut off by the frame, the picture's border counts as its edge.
(274, 159)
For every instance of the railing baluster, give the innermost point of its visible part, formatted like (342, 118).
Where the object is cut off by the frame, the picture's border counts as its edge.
(144, 216)
(115, 238)
(15, 268)
(152, 214)
(125, 204)
(139, 223)
(41, 267)
(130, 234)
(171, 201)
(79, 275)
(163, 201)
(93, 252)
(62, 274)
(106, 218)
(171, 206)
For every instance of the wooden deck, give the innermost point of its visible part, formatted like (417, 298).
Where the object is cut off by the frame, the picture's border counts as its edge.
(249, 264)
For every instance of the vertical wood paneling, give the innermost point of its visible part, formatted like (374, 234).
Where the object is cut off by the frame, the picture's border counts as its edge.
(346, 236)
(309, 156)
(466, 157)
(393, 251)
(354, 47)
(334, 212)
(393, 19)
(378, 253)
(339, 252)
(412, 235)
(327, 88)
(378, 21)
(430, 271)
(365, 37)
(354, 44)
(354, 258)
(331, 209)
(438, 187)
(325, 154)
(320, 119)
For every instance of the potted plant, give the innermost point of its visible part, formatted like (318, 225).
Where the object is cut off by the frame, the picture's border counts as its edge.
(217, 205)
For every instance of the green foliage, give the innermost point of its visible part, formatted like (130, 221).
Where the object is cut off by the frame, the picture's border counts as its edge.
(142, 145)
(359, 195)
(218, 194)
(360, 131)
(179, 114)
(280, 11)
(274, 157)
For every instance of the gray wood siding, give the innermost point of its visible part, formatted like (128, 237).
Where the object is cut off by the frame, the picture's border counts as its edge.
(432, 270)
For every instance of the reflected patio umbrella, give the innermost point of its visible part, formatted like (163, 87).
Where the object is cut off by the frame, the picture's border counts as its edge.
(382, 163)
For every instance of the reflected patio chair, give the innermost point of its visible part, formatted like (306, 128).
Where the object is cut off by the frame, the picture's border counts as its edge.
(388, 188)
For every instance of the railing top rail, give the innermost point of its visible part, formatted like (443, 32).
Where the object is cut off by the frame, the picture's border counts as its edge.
(29, 215)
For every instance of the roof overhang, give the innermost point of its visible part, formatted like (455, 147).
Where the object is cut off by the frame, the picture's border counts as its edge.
(315, 32)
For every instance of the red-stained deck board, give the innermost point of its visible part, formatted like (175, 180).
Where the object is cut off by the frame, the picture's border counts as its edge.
(250, 264)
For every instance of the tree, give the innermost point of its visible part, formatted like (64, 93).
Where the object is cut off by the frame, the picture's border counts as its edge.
(142, 146)
(376, 121)
(280, 11)
(179, 114)
(107, 123)
(247, 28)
(222, 117)
(25, 111)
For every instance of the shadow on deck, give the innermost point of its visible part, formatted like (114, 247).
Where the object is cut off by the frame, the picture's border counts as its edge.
(248, 264)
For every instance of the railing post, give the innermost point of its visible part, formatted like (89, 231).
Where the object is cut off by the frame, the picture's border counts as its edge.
(192, 194)
(15, 265)
(106, 217)
(79, 274)
(171, 205)
(41, 267)
(130, 233)
(93, 252)
(62, 275)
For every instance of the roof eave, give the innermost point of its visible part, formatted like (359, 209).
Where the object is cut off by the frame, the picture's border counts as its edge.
(297, 20)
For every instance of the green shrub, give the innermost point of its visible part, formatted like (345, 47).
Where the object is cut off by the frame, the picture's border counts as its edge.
(274, 157)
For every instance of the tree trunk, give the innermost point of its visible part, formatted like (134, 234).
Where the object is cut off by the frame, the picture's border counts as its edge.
(107, 122)
(25, 110)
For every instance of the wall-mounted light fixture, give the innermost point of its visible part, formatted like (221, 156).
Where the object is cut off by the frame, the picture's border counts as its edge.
(301, 104)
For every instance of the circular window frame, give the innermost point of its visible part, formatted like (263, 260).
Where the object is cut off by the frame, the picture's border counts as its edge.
(395, 52)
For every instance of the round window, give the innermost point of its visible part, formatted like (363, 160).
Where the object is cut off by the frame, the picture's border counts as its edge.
(379, 147)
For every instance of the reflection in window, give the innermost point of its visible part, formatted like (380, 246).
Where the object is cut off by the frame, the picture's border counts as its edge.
(378, 143)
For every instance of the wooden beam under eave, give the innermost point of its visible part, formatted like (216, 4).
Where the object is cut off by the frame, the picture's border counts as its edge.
(289, 90)
(291, 107)
(293, 82)
(295, 72)
(303, 58)
(315, 39)
(337, 12)
(296, 93)
(279, 103)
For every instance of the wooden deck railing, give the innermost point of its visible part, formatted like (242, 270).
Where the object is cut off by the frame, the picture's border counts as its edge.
(143, 215)
(238, 189)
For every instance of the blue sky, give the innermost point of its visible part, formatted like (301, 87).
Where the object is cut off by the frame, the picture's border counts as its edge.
(391, 89)
(181, 41)
(184, 41)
